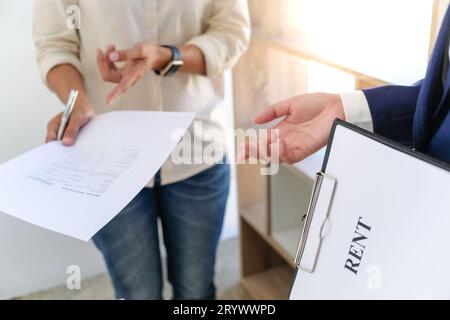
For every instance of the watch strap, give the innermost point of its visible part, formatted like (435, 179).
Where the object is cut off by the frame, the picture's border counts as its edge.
(175, 63)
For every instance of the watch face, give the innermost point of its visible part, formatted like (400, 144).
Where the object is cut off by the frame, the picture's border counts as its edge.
(178, 63)
(172, 68)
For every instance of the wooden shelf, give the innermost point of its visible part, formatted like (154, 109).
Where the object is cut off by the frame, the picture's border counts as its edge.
(252, 221)
(288, 240)
(272, 284)
(257, 218)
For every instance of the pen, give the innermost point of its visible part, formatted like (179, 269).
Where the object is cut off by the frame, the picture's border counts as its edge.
(67, 113)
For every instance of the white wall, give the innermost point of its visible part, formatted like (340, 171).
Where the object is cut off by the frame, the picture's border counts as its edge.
(32, 258)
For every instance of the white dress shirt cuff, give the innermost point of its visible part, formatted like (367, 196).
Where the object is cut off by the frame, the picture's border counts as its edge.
(356, 109)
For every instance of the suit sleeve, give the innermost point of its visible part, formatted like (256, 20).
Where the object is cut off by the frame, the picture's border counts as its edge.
(392, 109)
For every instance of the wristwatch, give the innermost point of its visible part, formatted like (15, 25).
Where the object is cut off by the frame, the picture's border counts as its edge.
(173, 65)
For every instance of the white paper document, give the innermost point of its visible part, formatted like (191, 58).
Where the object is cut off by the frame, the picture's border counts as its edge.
(380, 227)
(77, 190)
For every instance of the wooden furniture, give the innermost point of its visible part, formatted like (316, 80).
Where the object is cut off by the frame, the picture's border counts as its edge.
(273, 69)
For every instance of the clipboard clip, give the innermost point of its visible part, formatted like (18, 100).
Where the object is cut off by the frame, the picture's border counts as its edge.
(314, 222)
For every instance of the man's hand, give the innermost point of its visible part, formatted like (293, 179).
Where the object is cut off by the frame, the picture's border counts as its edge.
(305, 128)
(80, 116)
(139, 60)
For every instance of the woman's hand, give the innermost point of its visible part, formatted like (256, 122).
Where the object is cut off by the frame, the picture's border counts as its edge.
(305, 128)
(62, 79)
(139, 60)
(81, 115)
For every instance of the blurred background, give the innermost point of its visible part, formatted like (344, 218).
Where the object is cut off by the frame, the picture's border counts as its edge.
(297, 46)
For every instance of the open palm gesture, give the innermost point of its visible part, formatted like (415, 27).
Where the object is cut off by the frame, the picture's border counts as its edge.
(305, 128)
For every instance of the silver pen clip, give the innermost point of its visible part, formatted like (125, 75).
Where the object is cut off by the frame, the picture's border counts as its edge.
(67, 113)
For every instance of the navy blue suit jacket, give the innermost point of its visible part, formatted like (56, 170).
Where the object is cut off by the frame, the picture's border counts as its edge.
(418, 115)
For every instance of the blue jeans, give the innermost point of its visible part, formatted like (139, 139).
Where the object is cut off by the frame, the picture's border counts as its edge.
(191, 213)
